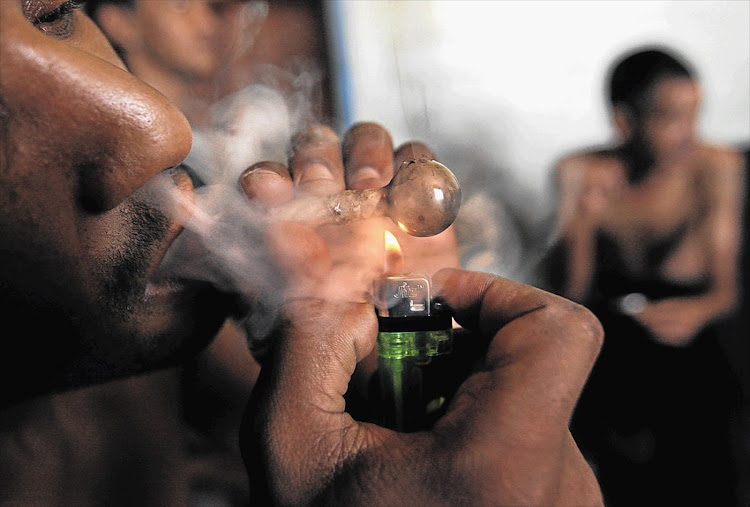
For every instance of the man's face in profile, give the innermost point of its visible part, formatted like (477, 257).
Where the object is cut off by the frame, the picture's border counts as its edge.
(85, 149)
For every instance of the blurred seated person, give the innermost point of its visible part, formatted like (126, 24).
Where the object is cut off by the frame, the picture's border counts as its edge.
(648, 237)
(175, 45)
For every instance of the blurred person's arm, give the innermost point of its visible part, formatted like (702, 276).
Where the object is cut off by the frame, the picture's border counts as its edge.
(677, 321)
(577, 222)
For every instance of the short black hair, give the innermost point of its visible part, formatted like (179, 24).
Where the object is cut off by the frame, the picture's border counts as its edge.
(634, 75)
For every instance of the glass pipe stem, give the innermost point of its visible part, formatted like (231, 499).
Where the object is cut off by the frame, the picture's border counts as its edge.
(338, 208)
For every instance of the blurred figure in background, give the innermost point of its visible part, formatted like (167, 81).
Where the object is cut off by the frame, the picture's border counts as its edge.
(649, 233)
(170, 44)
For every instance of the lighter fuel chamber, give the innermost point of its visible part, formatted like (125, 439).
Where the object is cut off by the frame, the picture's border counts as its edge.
(415, 340)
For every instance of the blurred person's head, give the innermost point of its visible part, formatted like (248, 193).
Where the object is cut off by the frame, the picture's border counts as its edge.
(655, 99)
(167, 43)
(86, 150)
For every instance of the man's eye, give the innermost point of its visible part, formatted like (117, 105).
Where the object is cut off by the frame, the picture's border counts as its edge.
(58, 22)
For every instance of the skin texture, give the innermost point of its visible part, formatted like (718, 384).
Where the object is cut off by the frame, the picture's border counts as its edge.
(691, 184)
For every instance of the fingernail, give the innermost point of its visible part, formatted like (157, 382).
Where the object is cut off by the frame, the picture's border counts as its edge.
(256, 179)
(258, 175)
(262, 169)
(317, 178)
(260, 172)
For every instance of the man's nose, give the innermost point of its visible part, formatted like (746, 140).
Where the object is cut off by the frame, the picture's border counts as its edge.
(109, 131)
(134, 135)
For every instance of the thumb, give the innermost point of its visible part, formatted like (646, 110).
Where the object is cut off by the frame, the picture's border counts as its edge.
(296, 432)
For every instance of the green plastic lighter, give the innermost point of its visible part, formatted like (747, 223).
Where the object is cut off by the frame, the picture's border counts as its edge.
(415, 336)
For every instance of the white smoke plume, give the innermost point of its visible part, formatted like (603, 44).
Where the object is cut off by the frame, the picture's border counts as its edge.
(223, 240)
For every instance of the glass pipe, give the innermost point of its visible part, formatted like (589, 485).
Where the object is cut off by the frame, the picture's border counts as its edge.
(422, 199)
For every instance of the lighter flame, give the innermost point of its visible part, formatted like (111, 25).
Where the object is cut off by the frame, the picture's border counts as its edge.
(391, 243)
(394, 258)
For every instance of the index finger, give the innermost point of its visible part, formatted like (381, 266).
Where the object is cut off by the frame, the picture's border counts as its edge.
(487, 303)
(267, 183)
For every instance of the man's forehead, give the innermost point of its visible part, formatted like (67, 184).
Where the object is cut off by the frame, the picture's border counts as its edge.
(675, 90)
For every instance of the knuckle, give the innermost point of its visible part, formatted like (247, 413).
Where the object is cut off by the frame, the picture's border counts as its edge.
(580, 324)
(414, 149)
(370, 133)
(316, 135)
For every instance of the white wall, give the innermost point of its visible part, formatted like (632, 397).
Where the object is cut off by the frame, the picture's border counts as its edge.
(523, 80)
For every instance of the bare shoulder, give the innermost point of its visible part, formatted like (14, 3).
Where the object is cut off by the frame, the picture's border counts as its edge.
(721, 171)
(588, 166)
(582, 160)
(715, 157)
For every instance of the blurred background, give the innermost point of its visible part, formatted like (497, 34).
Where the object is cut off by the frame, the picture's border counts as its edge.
(504, 89)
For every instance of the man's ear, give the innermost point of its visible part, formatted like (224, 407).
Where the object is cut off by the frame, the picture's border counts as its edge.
(622, 117)
(118, 25)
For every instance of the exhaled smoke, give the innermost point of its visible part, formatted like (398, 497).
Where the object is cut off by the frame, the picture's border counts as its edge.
(223, 244)
(243, 28)
(224, 238)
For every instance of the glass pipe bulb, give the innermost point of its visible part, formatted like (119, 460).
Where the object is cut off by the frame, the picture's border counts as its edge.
(423, 198)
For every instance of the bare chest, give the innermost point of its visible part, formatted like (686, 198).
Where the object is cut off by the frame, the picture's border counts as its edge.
(653, 211)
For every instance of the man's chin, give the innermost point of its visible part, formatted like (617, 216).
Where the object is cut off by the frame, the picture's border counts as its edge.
(175, 321)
